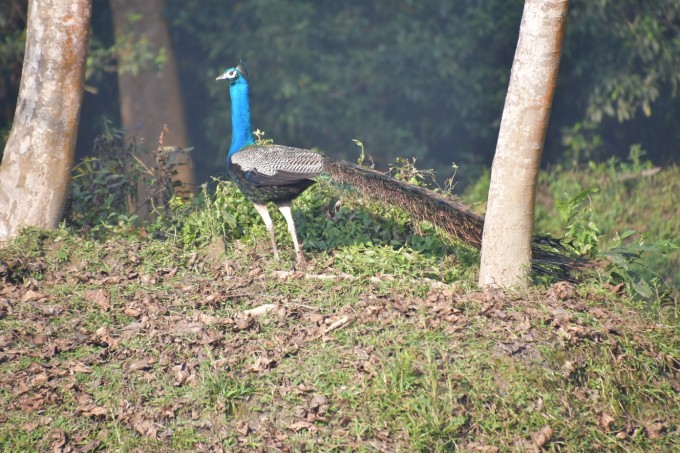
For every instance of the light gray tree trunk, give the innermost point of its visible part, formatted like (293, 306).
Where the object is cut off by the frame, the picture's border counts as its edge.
(508, 228)
(36, 167)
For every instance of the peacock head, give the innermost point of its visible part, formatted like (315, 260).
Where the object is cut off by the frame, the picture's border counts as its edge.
(233, 75)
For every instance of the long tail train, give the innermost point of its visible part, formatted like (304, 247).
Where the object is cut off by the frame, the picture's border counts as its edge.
(549, 256)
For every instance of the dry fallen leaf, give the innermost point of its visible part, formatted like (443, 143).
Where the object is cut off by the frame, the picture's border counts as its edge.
(79, 367)
(655, 429)
(132, 312)
(244, 429)
(605, 420)
(243, 322)
(143, 364)
(39, 379)
(181, 375)
(483, 448)
(32, 296)
(299, 426)
(40, 339)
(51, 310)
(143, 426)
(262, 364)
(88, 408)
(561, 291)
(92, 446)
(184, 328)
(255, 272)
(543, 436)
(100, 297)
(619, 289)
(59, 440)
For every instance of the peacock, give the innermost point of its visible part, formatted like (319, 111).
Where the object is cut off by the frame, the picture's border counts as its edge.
(279, 174)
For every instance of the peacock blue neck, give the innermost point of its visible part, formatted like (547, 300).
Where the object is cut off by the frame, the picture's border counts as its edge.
(241, 130)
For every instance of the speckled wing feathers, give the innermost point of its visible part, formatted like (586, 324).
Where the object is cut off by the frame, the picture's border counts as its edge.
(267, 165)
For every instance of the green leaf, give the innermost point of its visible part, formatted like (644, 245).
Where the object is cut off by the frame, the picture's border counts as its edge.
(642, 288)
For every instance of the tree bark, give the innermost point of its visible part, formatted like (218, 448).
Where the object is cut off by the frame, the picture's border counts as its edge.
(150, 97)
(36, 166)
(508, 228)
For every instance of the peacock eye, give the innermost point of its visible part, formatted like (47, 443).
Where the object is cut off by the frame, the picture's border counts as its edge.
(232, 74)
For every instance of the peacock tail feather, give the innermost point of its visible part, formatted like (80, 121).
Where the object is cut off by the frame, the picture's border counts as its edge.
(454, 219)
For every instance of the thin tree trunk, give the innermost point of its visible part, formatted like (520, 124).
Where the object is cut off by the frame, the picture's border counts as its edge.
(508, 229)
(36, 167)
(150, 97)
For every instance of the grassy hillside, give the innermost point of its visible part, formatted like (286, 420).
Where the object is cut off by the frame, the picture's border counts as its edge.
(185, 335)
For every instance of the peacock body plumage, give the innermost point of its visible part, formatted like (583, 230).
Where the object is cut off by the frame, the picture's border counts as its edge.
(279, 174)
(273, 173)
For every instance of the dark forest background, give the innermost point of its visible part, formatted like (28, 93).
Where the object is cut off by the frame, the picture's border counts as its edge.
(424, 79)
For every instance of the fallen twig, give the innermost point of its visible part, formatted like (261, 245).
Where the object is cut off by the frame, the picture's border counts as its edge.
(259, 311)
(337, 324)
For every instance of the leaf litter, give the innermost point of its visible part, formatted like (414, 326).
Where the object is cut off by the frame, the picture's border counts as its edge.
(229, 358)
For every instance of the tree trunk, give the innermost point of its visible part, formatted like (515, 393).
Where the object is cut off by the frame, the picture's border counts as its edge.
(508, 229)
(36, 167)
(149, 93)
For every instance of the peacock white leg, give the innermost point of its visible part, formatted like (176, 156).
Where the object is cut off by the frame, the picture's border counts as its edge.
(264, 213)
(284, 207)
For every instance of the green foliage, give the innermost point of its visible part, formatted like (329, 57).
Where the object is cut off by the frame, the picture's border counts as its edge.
(427, 79)
(102, 184)
(362, 154)
(140, 54)
(101, 59)
(580, 231)
(627, 266)
(33, 251)
(259, 138)
(630, 219)
(638, 52)
(364, 239)
(625, 257)
(632, 196)
(630, 76)
(224, 213)
(224, 391)
(370, 237)
(424, 79)
(582, 142)
(131, 52)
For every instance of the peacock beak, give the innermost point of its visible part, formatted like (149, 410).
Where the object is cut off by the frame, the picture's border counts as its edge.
(222, 77)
